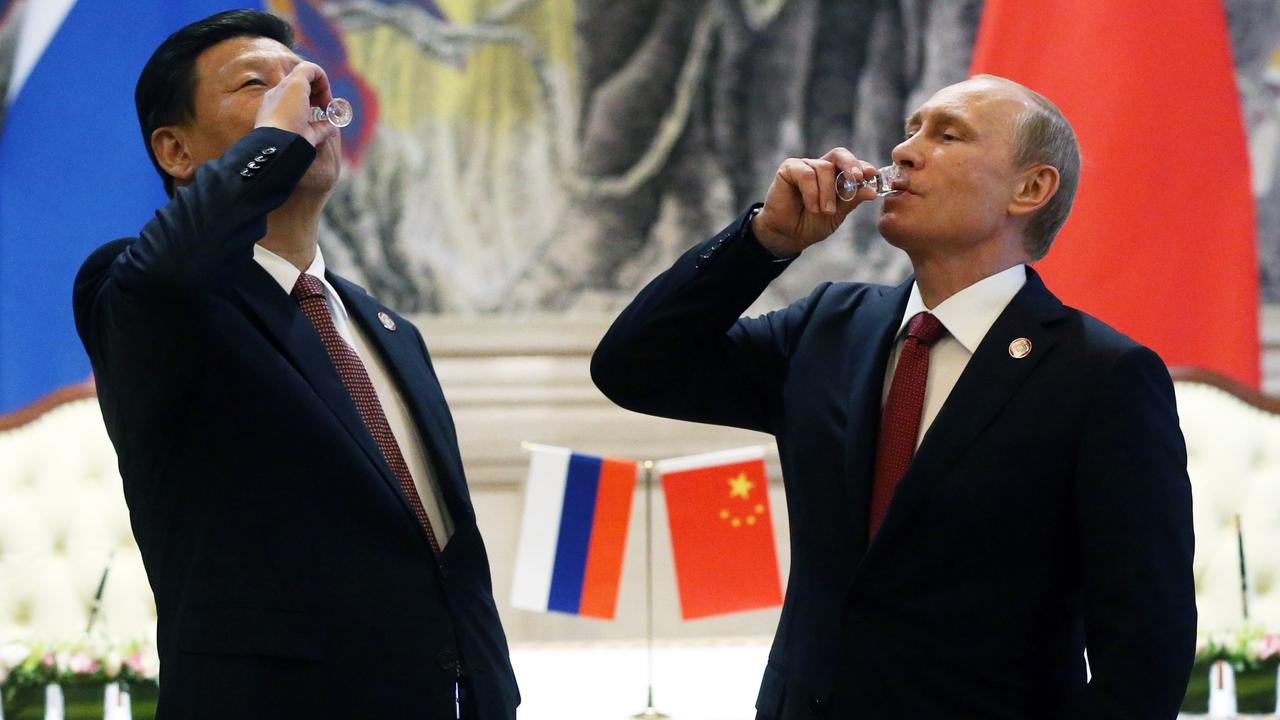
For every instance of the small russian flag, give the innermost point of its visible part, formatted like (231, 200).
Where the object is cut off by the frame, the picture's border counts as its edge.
(573, 533)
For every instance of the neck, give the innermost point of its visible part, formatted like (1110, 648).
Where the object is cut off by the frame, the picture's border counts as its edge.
(293, 230)
(942, 275)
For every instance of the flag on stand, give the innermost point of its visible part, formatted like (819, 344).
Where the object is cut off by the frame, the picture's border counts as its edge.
(721, 533)
(573, 532)
(1161, 243)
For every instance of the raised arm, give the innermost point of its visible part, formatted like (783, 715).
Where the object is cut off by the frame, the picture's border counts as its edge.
(220, 210)
(681, 350)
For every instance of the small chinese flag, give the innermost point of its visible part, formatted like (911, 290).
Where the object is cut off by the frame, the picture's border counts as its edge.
(721, 535)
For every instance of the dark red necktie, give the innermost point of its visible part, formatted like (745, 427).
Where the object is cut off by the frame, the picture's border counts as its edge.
(309, 294)
(900, 418)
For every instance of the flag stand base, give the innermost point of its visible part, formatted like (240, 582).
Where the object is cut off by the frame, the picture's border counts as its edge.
(650, 714)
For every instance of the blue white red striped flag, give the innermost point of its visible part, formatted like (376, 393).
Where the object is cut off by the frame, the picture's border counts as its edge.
(574, 532)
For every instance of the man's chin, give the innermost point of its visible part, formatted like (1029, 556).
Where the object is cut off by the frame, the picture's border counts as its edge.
(893, 231)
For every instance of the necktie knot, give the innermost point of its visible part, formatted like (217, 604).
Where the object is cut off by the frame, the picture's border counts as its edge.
(926, 328)
(308, 286)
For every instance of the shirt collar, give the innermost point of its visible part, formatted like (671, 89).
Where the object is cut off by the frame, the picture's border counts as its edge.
(286, 275)
(970, 313)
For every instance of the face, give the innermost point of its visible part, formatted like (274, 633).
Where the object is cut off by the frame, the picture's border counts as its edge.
(961, 179)
(231, 79)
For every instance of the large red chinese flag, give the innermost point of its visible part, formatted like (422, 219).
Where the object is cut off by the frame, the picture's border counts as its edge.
(1161, 241)
(721, 536)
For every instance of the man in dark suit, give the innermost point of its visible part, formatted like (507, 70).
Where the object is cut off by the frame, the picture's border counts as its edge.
(289, 461)
(981, 482)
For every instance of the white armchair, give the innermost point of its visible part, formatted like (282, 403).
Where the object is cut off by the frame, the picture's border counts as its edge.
(62, 515)
(1233, 457)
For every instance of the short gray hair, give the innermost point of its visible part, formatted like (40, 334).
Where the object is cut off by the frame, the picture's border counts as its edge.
(1042, 136)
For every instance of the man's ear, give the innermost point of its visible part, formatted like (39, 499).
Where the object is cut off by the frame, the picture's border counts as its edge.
(1035, 187)
(169, 144)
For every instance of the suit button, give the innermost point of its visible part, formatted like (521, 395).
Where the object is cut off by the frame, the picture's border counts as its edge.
(448, 659)
(818, 706)
(269, 150)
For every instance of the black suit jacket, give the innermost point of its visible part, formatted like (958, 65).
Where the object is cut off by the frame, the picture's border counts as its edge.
(290, 575)
(1047, 508)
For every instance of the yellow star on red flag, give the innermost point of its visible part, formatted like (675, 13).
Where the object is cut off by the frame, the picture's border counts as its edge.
(740, 486)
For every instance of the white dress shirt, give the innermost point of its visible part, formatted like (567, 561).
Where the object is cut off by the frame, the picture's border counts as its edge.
(966, 316)
(393, 405)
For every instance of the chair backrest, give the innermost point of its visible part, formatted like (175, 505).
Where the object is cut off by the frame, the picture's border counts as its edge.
(1233, 457)
(62, 516)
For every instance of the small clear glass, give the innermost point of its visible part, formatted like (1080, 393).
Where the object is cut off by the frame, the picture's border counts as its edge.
(339, 113)
(882, 183)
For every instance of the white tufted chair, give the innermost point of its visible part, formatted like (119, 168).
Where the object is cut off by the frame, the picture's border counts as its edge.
(1233, 457)
(62, 514)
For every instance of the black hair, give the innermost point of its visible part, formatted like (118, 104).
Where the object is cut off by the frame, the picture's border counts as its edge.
(166, 90)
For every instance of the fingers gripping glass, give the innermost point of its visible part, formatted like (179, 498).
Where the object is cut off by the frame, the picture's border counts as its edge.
(339, 113)
(847, 187)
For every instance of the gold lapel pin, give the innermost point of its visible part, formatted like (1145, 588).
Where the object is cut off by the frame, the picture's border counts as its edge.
(390, 324)
(1019, 348)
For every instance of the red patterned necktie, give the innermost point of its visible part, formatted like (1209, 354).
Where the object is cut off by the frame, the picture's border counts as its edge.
(900, 419)
(309, 294)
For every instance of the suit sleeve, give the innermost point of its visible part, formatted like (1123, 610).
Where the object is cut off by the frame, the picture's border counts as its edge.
(1134, 516)
(218, 217)
(681, 349)
(132, 297)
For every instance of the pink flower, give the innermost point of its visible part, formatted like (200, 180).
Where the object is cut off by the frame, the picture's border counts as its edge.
(136, 663)
(1270, 646)
(82, 663)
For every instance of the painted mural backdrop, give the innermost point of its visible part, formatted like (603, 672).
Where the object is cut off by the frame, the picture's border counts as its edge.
(515, 156)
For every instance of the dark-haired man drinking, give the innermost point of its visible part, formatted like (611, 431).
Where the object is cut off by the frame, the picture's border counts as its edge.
(291, 468)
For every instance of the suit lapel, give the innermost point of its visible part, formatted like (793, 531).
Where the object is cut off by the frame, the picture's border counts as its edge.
(877, 319)
(990, 379)
(406, 362)
(297, 339)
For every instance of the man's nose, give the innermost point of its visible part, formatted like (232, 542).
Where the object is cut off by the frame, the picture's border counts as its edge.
(905, 155)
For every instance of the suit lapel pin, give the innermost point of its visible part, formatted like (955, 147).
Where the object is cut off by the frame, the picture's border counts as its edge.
(390, 324)
(1019, 348)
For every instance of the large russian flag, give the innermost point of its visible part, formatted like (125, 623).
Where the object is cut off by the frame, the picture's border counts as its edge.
(573, 534)
(74, 172)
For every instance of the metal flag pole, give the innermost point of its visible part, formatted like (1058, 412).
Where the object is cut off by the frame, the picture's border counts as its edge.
(97, 597)
(1244, 575)
(649, 713)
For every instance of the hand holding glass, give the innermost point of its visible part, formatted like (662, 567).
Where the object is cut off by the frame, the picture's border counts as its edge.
(847, 187)
(339, 113)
